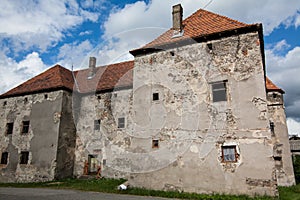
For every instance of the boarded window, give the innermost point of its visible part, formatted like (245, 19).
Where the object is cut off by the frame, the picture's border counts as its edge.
(4, 158)
(24, 157)
(229, 153)
(25, 127)
(97, 124)
(219, 91)
(155, 96)
(121, 122)
(9, 128)
(155, 143)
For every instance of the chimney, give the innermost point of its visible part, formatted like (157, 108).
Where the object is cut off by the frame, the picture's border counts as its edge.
(92, 67)
(177, 17)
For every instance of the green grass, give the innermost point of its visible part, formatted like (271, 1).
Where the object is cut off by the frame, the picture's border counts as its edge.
(110, 186)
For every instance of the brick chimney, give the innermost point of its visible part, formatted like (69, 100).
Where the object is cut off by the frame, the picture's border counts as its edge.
(92, 67)
(177, 17)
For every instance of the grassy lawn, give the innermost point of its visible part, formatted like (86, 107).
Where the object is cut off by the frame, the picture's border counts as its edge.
(110, 186)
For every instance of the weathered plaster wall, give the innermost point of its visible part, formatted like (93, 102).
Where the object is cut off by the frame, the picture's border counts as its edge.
(107, 107)
(66, 139)
(282, 152)
(43, 111)
(191, 128)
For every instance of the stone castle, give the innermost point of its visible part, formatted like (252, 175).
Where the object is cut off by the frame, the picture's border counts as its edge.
(193, 112)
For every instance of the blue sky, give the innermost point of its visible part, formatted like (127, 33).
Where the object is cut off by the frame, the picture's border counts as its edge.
(36, 35)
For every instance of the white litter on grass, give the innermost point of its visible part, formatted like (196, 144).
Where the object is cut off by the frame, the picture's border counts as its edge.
(122, 187)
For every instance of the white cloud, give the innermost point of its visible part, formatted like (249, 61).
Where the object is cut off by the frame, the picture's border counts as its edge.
(13, 73)
(293, 126)
(74, 54)
(85, 33)
(39, 23)
(284, 71)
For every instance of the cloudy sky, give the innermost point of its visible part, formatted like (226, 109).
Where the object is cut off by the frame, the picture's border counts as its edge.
(37, 34)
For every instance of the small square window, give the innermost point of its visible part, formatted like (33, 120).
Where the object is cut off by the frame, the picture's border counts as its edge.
(25, 127)
(4, 103)
(24, 157)
(121, 122)
(219, 91)
(4, 158)
(45, 96)
(155, 96)
(97, 124)
(229, 153)
(155, 143)
(9, 128)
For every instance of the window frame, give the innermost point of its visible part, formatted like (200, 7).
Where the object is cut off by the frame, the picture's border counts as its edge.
(9, 128)
(24, 157)
(121, 123)
(97, 123)
(4, 158)
(223, 90)
(234, 147)
(25, 127)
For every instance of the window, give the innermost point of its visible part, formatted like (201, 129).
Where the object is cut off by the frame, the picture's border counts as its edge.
(4, 103)
(121, 122)
(45, 96)
(229, 153)
(4, 158)
(272, 127)
(25, 127)
(155, 96)
(9, 128)
(155, 143)
(219, 91)
(24, 157)
(97, 124)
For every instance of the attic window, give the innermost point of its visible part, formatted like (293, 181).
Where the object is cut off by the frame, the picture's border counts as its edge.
(172, 53)
(4, 103)
(209, 46)
(274, 95)
(46, 96)
(25, 100)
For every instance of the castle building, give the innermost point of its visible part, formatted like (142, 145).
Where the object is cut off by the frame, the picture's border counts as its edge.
(194, 112)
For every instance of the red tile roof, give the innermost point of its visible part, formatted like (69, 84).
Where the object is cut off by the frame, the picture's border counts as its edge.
(272, 87)
(106, 78)
(54, 78)
(201, 23)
